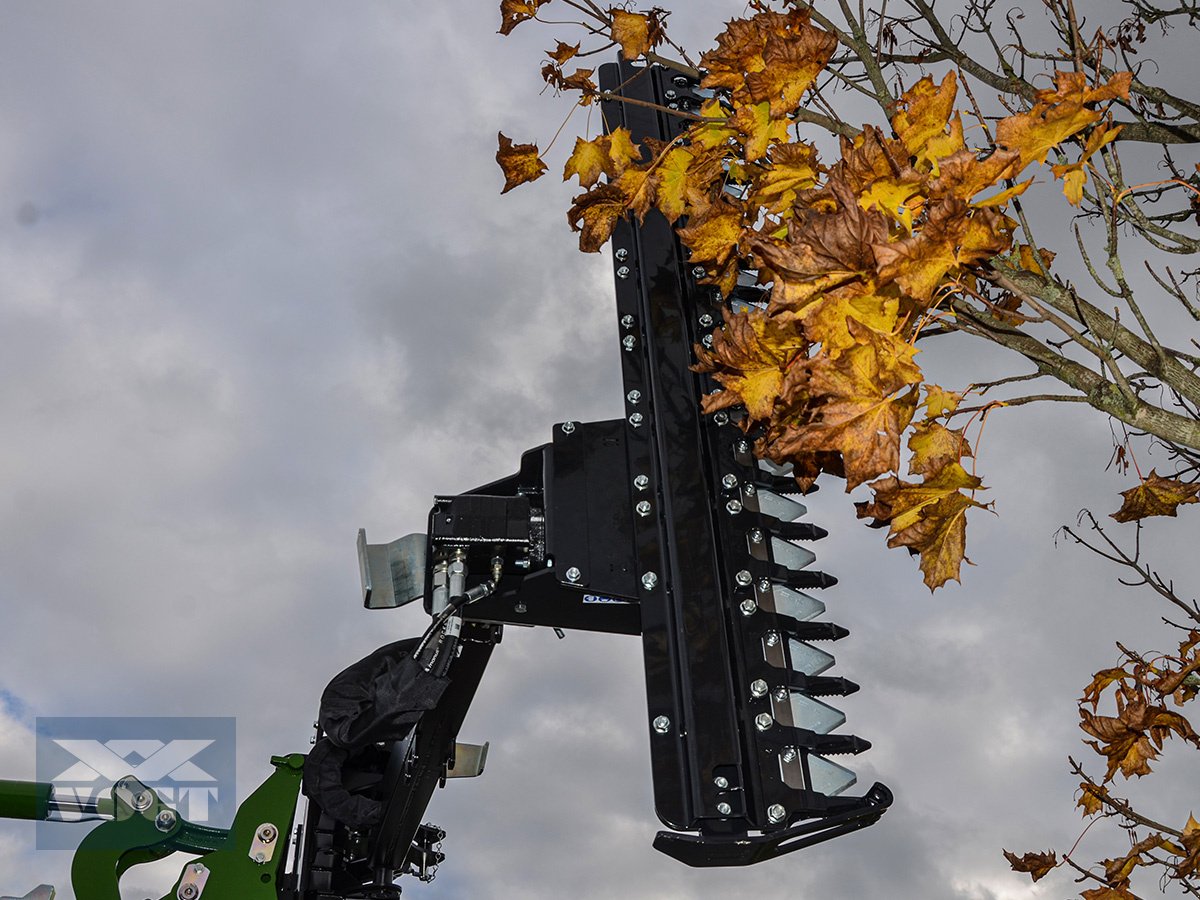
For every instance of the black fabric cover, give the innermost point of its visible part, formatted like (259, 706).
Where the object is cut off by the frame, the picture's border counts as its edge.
(376, 700)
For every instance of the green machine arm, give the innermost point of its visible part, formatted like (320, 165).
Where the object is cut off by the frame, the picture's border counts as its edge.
(244, 861)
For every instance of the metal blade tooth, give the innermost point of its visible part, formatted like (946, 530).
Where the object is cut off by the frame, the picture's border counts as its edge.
(797, 710)
(788, 653)
(791, 556)
(824, 777)
(795, 531)
(807, 579)
(775, 505)
(821, 685)
(786, 602)
(816, 631)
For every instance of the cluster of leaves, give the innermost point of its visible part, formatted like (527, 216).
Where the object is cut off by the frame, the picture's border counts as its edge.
(1129, 741)
(857, 257)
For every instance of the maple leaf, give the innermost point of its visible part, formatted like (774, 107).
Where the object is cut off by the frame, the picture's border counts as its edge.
(759, 129)
(749, 357)
(867, 158)
(638, 187)
(940, 146)
(519, 162)
(791, 63)
(924, 112)
(1090, 798)
(1118, 870)
(514, 12)
(1100, 682)
(1107, 893)
(1130, 740)
(953, 236)
(594, 215)
(894, 197)
(791, 168)
(822, 250)
(1190, 839)
(715, 131)
(1036, 864)
(934, 446)
(1035, 133)
(622, 151)
(860, 414)
(712, 234)
(963, 174)
(738, 53)
(939, 401)
(1070, 85)
(588, 160)
(563, 52)
(1156, 496)
(637, 33)
(826, 319)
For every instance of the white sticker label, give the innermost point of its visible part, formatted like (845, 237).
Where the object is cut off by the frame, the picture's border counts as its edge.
(597, 598)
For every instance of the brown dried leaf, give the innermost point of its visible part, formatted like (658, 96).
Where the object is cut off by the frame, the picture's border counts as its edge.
(519, 162)
(1156, 496)
(1036, 864)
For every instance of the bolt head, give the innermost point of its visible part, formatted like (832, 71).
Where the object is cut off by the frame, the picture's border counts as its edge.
(788, 755)
(165, 820)
(260, 857)
(142, 800)
(641, 482)
(680, 81)
(758, 688)
(698, 272)
(734, 507)
(622, 254)
(649, 580)
(721, 782)
(634, 396)
(776, 813)
(670, 94)
(742, 447)
(748, 607)
(662, 724)
(188, 892)
(629, 342)
(672, 105)
(568, 427)
(721, 417)
(772, 638)
(707, 340)
(623, 272)
(763, 721)
(729, 481)
(781, 694)
(573, 574)
(724, 808)
(764, 585)
(743, 577)
(706, 321)
(756, 535)
(627, 321)
(636, 420)
(643, 508)
(750, 490)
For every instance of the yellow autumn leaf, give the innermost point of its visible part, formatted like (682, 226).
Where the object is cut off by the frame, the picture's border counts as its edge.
(519, 162)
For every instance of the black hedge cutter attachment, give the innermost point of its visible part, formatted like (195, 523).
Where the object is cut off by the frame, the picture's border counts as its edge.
(661, 524)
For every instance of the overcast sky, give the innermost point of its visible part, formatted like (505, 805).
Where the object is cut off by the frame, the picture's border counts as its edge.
(258, 289)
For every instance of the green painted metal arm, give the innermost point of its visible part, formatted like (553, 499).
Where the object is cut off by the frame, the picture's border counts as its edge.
(24, 799)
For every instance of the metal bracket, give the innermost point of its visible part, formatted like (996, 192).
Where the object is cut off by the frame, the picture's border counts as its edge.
(469, 760)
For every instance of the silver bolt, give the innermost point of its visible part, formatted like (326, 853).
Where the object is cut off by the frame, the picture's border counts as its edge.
(707, 340)
(758, 688)
(643, 508)
(649, 580)
(721, 782)
(734, 507)
(623, 272)
(672, 105)
(634, 396)
(698, 272)
(142, 800)
(763, 721)
(622, 254)
(626, 321)
(764, 584)
(743, 577)
(641, 482)
(724, 808)
(781, 694)
(772, 638)
(788, 754)
(776, 813)
(260, 857)
(573, 574)
(742, 447)
(729, 481)
(749, 607)
(568, 427)
(680, 81)
(756, 535)
(520, 607)
(662, 724)
(188, 892)
(670, 94)
(706, 320)
(636, 420)
(165, 820)
(629, 342)
(749, 490)
(721, 418)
